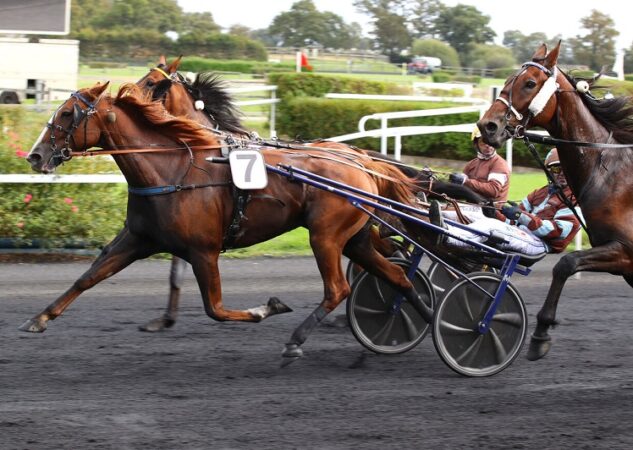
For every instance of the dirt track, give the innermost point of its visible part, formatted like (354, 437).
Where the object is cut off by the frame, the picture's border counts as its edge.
(94, 381)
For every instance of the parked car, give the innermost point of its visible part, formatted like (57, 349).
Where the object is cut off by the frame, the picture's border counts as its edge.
(423, 64)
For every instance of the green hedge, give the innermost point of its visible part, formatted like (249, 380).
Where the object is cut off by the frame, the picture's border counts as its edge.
(310, 85)
(54, 212)
(197, 64)
(311, 118)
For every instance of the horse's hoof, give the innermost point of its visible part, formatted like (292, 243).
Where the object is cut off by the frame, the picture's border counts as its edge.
(291, 353)
(276, 306)
(33, 326)
(539, 346)
(158, 324)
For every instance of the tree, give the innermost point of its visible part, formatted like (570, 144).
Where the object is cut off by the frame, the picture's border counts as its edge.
(438, 49)
(462, 26)
(156, 15)
(391, 30)
(85, 12)
(199, 23)
(304, 23)
(597, 47)
(424, 14)
(523, 46)
(485, 56)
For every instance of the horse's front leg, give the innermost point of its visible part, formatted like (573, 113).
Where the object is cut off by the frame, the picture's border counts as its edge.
(610, 257)
(168, 319)
(205, 268)
(118, 254)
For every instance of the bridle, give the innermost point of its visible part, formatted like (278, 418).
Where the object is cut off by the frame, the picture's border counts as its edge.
(549, 88)
(64, 153)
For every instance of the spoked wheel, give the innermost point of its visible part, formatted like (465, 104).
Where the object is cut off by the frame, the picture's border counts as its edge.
(442, 277)
(455, 327)
(376, 325)
(353, 270)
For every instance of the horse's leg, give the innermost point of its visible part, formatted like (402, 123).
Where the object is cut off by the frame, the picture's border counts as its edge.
(327, 253)
(122, 251)
(205, 268)
(168, 319)
(360, 250)
(610, 257)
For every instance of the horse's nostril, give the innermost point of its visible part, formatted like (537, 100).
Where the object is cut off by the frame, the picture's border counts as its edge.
(491, 127)
(33, 158)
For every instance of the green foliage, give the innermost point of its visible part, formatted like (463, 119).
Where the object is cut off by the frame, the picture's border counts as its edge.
(196, 64)
(597, 47)
(55, 212)
(312, 118)
(490, 57)
(463, 25)
(503, 73)
(441, 77)
(135, 29)
(474, 79)
(438, 49)
(221, 46)
(311, 85)
(304, 23)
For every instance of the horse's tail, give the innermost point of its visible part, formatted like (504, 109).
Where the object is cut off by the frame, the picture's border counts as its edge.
(392, 183)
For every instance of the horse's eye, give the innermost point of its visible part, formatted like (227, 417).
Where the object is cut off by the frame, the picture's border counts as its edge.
(530, 84)
(66, 113)
(149, 83)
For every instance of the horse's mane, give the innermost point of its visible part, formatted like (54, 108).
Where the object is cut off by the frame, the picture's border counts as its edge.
(218, 103)
(132, 98)
(615, 113)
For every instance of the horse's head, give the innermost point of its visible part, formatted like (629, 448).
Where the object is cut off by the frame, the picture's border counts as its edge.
(168, 85)
(204, 99)
(526, 100)
(69, 129)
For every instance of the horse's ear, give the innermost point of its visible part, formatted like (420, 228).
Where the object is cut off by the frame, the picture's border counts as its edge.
(173, 67)
(162, 61)
(98, 89)
(552, 57)
(539, 54)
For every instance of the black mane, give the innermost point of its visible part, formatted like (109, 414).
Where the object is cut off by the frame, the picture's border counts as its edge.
(218, 103)
(614, 113)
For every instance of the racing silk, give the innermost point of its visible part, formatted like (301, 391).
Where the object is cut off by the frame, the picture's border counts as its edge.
(489, 177)
(546, 216)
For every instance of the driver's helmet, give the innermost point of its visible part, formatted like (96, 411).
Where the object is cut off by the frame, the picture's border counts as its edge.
(552, 158)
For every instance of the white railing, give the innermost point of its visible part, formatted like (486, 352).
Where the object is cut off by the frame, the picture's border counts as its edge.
(384, 132)
(272, 101)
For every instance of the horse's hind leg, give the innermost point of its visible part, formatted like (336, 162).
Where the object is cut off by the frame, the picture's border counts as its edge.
(168, 319)
(205, 268)
(118, 254)
(610, 257)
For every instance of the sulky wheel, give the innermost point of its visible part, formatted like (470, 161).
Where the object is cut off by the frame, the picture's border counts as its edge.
(442, 277)
(372, 320)
(455, 327)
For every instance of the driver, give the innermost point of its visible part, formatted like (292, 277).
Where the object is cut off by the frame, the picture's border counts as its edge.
(488, 174)
(540, 223)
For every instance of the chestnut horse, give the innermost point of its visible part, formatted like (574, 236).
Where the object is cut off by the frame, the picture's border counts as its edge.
(206, 101)
(595, 144)
(159, 153)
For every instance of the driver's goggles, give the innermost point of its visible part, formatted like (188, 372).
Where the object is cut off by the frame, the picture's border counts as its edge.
(555, 169)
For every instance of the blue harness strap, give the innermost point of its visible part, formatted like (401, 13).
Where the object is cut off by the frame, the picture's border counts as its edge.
(149, 191)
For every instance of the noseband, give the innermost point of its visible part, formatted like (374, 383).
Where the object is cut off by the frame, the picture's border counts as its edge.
(549, 88)
(60, 155)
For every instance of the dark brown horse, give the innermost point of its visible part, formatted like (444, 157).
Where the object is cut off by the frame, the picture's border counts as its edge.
(542, 95)
(158, 152)
(206, 100)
